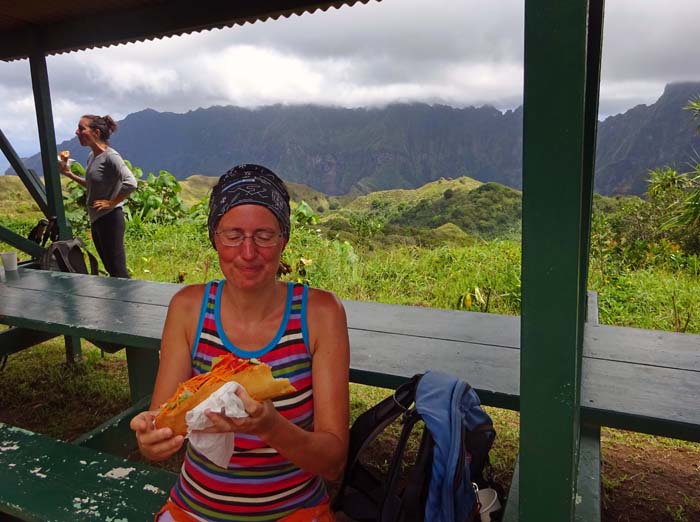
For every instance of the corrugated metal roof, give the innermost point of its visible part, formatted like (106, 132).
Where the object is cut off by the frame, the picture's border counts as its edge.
(60, 26)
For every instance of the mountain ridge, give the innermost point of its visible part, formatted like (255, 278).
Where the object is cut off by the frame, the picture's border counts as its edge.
(341, 151)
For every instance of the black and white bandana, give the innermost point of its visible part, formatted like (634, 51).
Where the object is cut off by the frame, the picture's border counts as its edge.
(249, 185)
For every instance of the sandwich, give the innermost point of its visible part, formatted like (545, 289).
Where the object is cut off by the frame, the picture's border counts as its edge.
(254, 376)
(64, 155)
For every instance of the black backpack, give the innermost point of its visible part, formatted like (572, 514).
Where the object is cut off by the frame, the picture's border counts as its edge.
(401, 494)
(68, 256)
(43, 231)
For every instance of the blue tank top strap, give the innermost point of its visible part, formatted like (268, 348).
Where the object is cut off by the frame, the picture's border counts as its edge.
(202, 314)
(262, 351)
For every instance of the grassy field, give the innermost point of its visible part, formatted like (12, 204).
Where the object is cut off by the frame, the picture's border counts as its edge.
(645, 478)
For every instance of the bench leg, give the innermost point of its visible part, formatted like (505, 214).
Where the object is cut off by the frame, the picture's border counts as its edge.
(73, 350)
(588, 483)
(143, 367)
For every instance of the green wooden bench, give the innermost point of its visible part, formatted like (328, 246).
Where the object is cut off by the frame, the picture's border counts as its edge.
(645, 381)
(44, 479)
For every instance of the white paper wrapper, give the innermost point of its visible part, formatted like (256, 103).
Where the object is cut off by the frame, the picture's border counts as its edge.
(217, 447)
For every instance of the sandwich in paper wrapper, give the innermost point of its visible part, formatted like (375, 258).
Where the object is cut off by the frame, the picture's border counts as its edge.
(184, 411)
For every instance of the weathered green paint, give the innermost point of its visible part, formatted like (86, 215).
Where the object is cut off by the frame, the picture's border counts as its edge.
(553, 276)
(45, 479)
(29, 178)
(47, 141)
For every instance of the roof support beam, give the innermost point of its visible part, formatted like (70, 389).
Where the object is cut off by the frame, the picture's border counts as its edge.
(47, 141)
(29, 178)
(21, 243)
(560, 106)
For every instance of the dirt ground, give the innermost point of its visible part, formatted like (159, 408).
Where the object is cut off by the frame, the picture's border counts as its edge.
(644, 486)
(641, 482)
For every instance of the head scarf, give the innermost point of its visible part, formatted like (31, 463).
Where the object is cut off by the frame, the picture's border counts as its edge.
(249, 185)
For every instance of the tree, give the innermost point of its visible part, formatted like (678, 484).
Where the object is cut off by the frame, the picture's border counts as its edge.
(694, 107)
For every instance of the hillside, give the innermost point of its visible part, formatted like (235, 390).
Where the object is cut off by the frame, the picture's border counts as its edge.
(357, 151)
(16, 201)
(447, 210)
(389, 201)
(197, 187)
(646, 137)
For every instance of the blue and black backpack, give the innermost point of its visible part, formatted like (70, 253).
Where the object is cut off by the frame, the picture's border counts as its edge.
(440, 482)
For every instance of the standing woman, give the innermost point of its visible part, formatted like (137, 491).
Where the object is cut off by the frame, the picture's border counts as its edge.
(108, 181)
(285, 448)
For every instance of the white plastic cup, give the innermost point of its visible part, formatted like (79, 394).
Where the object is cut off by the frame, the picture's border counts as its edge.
(9, 260)
(488, 498)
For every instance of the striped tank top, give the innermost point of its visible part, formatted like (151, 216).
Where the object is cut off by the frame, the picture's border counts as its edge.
(259, 484)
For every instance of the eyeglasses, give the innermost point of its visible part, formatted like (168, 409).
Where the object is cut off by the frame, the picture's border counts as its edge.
(262, 238)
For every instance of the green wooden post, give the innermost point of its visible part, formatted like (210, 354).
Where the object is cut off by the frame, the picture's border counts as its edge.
(594, 46)
(556, 199)
(52, 181)
(47, 141)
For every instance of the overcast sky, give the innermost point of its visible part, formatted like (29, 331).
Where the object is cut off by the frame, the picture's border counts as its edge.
(456, 52)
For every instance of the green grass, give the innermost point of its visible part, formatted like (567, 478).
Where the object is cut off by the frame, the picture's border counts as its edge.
(39, 392)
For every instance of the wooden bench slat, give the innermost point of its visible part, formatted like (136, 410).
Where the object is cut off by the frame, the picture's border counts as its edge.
(133, 291)
(434, 323)
(651, 347)
(493, 371)
(642, 398)
(138, 325)
(44, 479)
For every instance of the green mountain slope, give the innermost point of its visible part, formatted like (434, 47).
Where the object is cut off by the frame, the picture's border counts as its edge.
(197, 187)
(487, 211)
(341, 151)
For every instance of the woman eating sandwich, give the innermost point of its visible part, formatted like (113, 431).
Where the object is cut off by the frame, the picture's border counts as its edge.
(285, 447)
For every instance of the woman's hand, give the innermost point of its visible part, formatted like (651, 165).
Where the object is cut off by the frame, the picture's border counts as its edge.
(262, 417)
(103, 204)
(64, 168)
(154, 444)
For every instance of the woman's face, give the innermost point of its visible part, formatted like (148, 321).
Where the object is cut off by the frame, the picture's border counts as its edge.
(249, 265)
(86, 135)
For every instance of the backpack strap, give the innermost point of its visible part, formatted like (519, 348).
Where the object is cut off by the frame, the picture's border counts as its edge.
(416, 492)
(38, 232)
(361, 493)
(60, 250)
(70, 257)
(409, 504)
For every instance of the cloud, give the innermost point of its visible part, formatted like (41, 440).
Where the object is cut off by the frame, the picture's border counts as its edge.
(460, 53)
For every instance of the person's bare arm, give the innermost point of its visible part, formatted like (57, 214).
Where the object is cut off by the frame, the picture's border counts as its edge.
(323, 451)
(64, 169)
(103, 204)
(175, 367)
